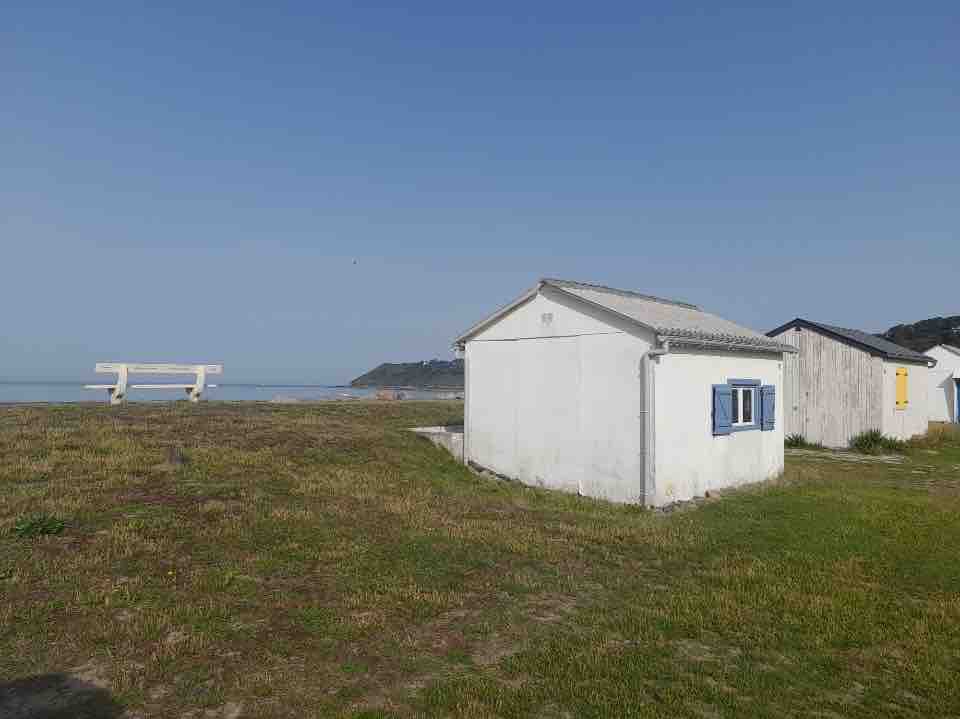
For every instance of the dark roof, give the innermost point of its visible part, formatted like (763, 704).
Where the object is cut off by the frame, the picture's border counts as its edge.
(864, 340)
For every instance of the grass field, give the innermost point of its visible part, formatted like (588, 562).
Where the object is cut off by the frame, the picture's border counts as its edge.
(310, 561)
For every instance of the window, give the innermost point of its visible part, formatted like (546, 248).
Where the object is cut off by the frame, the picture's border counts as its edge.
(902, 400)
(743, 404)
(742, 412)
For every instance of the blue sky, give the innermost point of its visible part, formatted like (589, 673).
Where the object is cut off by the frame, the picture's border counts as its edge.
(196, 183)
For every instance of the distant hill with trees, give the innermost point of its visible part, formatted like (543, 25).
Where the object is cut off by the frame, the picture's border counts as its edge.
(921, 336)
(438, 374)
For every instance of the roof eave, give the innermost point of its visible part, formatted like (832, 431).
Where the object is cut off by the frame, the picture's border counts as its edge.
(716, 343)
(462, 339)
(785, 326)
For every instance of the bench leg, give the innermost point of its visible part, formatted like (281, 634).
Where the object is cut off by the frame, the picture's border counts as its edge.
(193, 393)
(118, 395)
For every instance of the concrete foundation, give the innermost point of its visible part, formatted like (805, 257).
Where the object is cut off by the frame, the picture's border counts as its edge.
(450, 438)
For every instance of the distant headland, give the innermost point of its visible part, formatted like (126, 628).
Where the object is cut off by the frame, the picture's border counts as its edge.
(430, 374)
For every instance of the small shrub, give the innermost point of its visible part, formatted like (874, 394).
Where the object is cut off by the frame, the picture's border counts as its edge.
(38, 524)
(873, 441)
(890, 444)
(867, 442)
(796, 441)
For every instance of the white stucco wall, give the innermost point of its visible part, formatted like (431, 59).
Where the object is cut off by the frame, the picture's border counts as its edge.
(558, 412)
(554, 397)
(911, 421)
(690, 460)
(942, 385)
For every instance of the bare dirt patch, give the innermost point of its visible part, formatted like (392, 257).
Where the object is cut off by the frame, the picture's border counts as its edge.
(159, 499)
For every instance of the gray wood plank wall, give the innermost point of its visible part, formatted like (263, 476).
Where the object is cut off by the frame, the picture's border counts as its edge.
(832, 391)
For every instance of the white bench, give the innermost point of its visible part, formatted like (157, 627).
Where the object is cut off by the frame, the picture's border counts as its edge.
(118, 392)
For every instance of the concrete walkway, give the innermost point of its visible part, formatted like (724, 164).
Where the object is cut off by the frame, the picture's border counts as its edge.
(450, 438)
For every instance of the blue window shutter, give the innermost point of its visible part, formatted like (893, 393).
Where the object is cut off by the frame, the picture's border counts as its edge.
(768, 406)
(722, 409)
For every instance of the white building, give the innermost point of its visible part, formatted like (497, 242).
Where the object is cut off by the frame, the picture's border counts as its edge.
(842, 382)
(944, 395)
(621, 396)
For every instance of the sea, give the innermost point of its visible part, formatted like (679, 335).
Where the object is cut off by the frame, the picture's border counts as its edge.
(71, 392)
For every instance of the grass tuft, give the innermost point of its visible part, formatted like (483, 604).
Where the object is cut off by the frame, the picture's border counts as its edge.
(873, 441)
(37, 525)
(797, 441)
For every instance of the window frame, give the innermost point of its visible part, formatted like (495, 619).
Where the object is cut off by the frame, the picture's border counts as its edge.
(737, 385)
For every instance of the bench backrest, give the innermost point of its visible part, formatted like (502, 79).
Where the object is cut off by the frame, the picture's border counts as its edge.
(158, 368)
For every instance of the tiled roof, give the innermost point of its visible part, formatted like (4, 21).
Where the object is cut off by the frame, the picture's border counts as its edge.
(679, 322)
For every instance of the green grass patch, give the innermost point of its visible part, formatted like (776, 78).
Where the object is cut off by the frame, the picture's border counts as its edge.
(320, 560)
(37, 525)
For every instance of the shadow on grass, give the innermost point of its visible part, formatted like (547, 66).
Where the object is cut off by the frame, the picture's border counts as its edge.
(56, 696)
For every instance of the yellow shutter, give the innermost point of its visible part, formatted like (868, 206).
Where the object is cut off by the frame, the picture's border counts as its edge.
(902, 388)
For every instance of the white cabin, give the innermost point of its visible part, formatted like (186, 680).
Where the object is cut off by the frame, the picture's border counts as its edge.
(944, 394)
(842, 382)
(617, 395)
